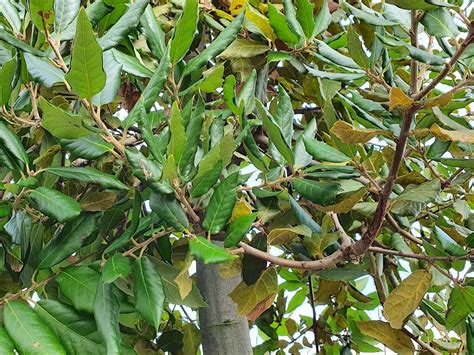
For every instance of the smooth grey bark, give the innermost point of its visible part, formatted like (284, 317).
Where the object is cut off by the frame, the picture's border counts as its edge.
(223, 332)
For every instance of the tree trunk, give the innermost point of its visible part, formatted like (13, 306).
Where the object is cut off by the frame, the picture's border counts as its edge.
(223, 332)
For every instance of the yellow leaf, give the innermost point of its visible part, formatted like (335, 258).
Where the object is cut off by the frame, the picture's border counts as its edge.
(350, 135)
(395, 339)
(344, 205)
(399, 99)
(169, 169)
(98, 201)
(230, 269)
(241, 208)
(285, 235)
(236, 6)
(413, 177)
(263, 24)
(461, 136)
(403, 301)
(441, 100)
(250, 297)
(184, 282)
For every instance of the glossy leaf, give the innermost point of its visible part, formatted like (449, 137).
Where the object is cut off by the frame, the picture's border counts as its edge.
(86, 75)
(169, 210)
(149, 291)
(29, 333)
(184, 31)
(321, 193)
(88, 175)
(43, 71)
(55, 204)
(207, 252)
(65, 11)
(221, 204)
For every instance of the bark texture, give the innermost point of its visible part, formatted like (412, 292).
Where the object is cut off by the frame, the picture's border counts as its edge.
(223, 332)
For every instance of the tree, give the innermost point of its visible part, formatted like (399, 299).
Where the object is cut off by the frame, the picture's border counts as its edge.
(313, 159)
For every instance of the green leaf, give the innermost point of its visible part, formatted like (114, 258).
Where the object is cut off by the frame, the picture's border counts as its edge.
(7, 73)
(153, 32)
(205, 180)
(106, 314)
(346, 273)
(218, 45)
(286, 235)
(29, 333)
(169, 210)
(170, 341)
(290, 15)
(6, 343)
(157, 81)
(284, 115)
(88, 175)
(79, 285)
(123, 26)
(243, 48)
(303, 217)
(440, 23)
(148, 171)
(113, 71)
(207, 252)
(460, 163)
(73, 236)
(372, 18)
(354, 45)
(324, 152)
(65, 12)
(334, 57)
(460, 305)
(321, 193)
(424, 56)
(41, 10)
(43, 71)
(60, 123)
(221, 204)
(132, 65)
(12, 144)
(11, 14)
(302, 158)
(280, 26)
(304, 14)
(86, 75)
(149, 291)
(118, 266)
(414, 198)
(447, 243)
(275, 134)
(55, 204)
(193, 134)
(168, 275)
(76, 330)
(15, 42)
(178, 133)
(238, 229)
(88, 147)
(322, 20)
(334, 76)
(184, 31)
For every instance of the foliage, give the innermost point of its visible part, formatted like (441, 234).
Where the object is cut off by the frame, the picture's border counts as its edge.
(134, 133)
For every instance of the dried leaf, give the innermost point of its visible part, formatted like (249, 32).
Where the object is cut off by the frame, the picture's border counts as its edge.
(395, 339)
(350, 135)
(98, 201)
(399, 99)
(285, 235)
(248, 298)
(403, 301)
(461, 136)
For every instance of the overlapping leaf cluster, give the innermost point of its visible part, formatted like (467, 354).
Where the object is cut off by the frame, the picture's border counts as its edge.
(132, 133)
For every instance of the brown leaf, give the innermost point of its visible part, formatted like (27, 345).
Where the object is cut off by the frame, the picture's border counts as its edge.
(98, 201)
(350, 135)
(461, 136)
(344, 205)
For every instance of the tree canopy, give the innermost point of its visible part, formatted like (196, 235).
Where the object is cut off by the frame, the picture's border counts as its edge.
(321, 150)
